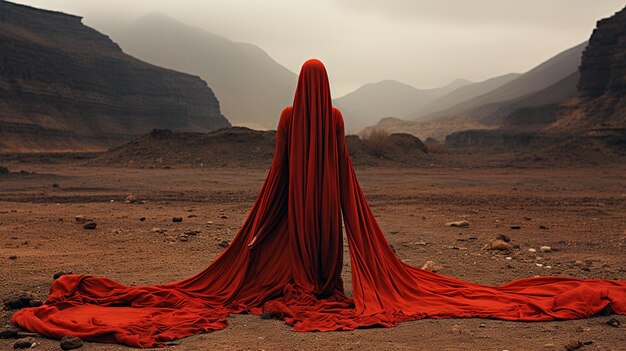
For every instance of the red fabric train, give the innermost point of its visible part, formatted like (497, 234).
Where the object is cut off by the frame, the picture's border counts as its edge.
(287, 257)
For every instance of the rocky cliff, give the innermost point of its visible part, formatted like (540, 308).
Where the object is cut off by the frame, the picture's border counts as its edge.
(65, 86)
(601, 102)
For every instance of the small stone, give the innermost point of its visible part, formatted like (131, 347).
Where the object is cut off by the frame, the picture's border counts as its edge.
(516, 227)
(458, 224)
(183, 238)
(158, 230)
(223, 244)
(543, 227)
(223, 216)
(545, 249)
(549, 346)
(482, 325)
(142, 218)
(500, 245)
(613, 322)
(130, 199)
(90, 225)
(177, 219)
(12, 257)
(23, 344)
(504, 238)
(588, 342)
(80, 219)
(192, 232)
(55, 185)
(574, 345)
(209, 222)
(508, 258)
(431, 266)
(532, 250)
(70, 342)
(10, 333)
(21, 300)
(538, 264)
(58, 275)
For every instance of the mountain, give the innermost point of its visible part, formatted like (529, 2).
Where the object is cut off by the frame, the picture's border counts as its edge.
(65, 86)
(542, 76)
(601, 101)
(463, 93)
(371, 102)
(252, 88)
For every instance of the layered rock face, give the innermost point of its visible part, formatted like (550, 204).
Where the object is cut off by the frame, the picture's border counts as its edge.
(67, 87)
(601, 102)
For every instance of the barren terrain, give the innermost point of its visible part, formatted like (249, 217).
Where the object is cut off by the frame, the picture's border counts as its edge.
(578, 211)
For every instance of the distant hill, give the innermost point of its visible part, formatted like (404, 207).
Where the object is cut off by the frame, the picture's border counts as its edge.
(464, 93)
(436, 129)
(67, 87)
(371, 102)
(542, 76)
(252, 88)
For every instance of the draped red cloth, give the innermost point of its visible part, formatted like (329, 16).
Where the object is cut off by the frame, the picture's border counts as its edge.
(287, 257)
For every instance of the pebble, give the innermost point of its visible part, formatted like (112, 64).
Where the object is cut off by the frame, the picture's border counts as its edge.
(500, 245)
(545, 249)
(130, 199)
(223, 216)
(158, 230)
(142, 218)
(23, 344)
(613, 322)
(70, 342)
(81, 219)
(574, 345)
(431, 266)
(22, 300)
(503, 238)
(508, 258)
(177, 219)
(12, 257)
(223, 244)
(516, 227)
(458, 224)
(192, 232)
(532, 250)
(10, 333)
(90, 225)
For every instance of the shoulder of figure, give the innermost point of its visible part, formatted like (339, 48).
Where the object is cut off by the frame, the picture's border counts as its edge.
(285, 118)
(337, 117)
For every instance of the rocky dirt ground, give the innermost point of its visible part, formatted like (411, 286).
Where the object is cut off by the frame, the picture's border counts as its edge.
(578, 212)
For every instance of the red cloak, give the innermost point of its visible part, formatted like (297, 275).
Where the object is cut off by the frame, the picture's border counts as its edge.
(287, 257)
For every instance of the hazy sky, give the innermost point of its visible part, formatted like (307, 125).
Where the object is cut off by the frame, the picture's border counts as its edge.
(425, 43)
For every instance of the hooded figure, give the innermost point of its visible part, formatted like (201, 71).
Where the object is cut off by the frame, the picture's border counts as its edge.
(286, 261)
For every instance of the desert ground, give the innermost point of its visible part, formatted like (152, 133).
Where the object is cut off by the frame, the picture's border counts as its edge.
(579, 212)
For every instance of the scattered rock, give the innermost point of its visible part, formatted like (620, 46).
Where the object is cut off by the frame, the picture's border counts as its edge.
(613, 322)
(183, 238)
(142, 218)
(574, 345)
(549, 346)
(23, 344)
(71, 342)
(223, 244)
(223, 216)
(177, 219)
(531, 250)
(10, 333)
(192, 232)
(500, 245)
(460, 224)
(543, 227)
(130, 199)
(516, 227)
(503, 238)
(81, 219)
(22, 300)
(90, 225)
(545, 249)
(431, 266)
(58, 275)
(158, 230)
(12, 257)
(55, 185)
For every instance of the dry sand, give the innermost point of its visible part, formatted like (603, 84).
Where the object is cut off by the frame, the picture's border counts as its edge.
(578, 212)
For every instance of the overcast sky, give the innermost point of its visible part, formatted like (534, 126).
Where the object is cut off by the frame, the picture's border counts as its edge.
(425, 43)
